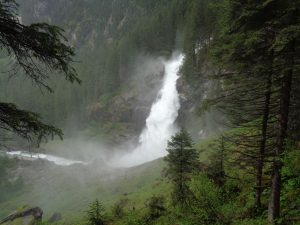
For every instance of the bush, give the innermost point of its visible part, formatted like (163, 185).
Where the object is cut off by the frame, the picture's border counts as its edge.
(156, 207)
(132, 219)
(118, 208)
(206, 204)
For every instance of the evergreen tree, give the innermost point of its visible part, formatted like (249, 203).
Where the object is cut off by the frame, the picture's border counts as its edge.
(260, 48)
(182, 161)
(286, 24)
(95, 214)
(244, 46)
(215, 169)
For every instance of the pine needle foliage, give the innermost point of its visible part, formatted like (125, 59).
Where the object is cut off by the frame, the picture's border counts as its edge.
(182, 161)
(38, 50)
(95, 213)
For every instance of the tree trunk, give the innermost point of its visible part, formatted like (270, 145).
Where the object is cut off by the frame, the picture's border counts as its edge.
(260, 163)
(285, 95)
(222, 169)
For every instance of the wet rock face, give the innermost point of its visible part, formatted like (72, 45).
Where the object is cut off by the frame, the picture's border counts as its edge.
(27, 216)
(133, 104)
(139, 115)
(187, 101)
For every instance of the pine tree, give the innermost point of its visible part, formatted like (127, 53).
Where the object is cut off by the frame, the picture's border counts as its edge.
(286, 24)
(182, 161)
(244, 47)
(37, 50)
(95, 214)
(261, 43)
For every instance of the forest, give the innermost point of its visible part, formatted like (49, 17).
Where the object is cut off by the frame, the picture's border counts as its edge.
(141, 112)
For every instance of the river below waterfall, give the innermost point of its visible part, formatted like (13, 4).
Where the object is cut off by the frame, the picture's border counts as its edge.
(60, 161)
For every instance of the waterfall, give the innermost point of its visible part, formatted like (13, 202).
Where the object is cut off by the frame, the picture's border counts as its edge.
(153, 140)
(160, 124)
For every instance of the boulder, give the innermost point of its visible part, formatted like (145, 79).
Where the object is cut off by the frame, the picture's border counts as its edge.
(25, 216)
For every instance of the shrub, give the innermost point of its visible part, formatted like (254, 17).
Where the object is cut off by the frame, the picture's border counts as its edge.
(155, 207)
(206, 204)
(118, 208)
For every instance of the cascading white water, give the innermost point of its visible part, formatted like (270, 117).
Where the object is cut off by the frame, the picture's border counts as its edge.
(160, 124)
(51, 158)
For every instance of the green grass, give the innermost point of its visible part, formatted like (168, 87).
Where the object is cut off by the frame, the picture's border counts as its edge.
(61, 191)
(58, 191)
(70, 191)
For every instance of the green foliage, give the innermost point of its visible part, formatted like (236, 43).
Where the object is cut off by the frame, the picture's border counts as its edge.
(132, 218)
(118, 210)
(291, 188)
(36, 48)
(108, 37)
(258, 43)
(36, 45)
(25, 124)
(156, 208)
(207, 203)
(257, 221)
(95, 213)
(182, 161)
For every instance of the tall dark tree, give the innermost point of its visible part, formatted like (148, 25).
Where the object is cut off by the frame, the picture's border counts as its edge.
(260, 44)
(182, 160)
(244, 49)
(286, 48)
(37, 50)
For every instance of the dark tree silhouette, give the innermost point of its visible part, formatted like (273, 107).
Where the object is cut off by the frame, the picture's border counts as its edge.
(37, 50)
(182, 162)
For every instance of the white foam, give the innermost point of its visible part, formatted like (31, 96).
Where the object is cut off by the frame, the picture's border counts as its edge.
(160, 124)
(51, 158)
